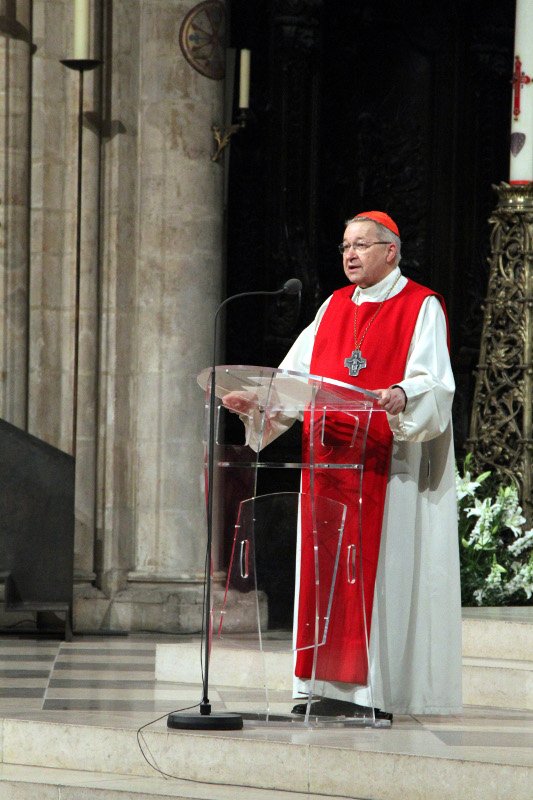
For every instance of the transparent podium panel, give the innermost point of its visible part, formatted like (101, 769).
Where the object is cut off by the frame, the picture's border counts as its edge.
(259, 661)
(260, 671)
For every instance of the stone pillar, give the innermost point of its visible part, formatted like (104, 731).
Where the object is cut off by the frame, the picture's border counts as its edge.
(15, 73)
(162, 262)
(53, 260)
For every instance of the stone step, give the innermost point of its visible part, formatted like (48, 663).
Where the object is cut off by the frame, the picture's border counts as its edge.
(38, 783)
(403, 763)
(483, 755)
(499, 683)
(497, 660)
(498, 633)
(490, 633)
(180, 663)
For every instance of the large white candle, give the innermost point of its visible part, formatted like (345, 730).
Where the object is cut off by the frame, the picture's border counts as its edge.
(81, 28)
(522, 123)
(244, 79)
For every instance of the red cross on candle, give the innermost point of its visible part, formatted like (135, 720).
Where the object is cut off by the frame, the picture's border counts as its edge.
(519, 78)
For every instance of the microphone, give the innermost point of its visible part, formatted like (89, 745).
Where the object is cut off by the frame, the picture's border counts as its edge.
(206, 719)
(292, 286)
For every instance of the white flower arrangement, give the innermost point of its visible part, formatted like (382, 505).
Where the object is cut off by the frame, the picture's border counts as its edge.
(496, 551)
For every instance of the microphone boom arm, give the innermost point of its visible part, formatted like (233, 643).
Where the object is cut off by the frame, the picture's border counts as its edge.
(292, 286)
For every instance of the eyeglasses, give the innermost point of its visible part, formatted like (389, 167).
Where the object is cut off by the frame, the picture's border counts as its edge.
(359, 247)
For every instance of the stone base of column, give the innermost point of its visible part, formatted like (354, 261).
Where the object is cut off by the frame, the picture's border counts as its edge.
(163, 608)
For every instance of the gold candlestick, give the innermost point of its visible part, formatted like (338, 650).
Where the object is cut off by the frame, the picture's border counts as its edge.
(223, 135)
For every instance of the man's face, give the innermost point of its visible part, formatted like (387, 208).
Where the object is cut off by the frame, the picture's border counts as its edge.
(369, 266)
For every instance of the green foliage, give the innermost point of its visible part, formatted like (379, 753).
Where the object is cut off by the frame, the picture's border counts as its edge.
(496, 551)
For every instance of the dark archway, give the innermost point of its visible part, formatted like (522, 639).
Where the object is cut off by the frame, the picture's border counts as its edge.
(402, 106)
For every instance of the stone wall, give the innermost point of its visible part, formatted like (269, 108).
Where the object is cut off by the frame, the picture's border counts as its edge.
(150, 280)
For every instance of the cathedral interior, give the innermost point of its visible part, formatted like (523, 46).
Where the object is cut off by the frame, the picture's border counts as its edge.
(138, 192)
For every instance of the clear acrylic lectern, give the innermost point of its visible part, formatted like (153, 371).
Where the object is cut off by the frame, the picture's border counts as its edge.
(257, 672)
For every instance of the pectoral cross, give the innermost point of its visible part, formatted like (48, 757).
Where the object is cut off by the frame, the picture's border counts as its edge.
(355, 363)
(519, 79)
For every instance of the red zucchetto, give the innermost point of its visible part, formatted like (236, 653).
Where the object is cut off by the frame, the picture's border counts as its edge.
(382, 218)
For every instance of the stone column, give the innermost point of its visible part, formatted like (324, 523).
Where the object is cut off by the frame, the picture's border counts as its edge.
(162, 264)
(15, 73)
(53, 260)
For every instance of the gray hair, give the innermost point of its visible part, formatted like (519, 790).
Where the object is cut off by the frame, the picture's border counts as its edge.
(384, 234)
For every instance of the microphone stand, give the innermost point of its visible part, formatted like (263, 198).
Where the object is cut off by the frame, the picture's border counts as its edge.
(226, 720)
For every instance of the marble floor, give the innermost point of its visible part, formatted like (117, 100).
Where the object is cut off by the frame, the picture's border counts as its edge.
(108, 682)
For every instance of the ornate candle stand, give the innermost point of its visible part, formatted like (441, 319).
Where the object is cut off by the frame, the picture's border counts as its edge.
(501, 432)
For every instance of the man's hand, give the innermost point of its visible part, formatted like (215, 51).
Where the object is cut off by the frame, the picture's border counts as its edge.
(240, 402)
(393, 400)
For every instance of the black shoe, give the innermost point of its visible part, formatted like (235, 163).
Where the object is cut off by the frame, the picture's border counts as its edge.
(327, 707)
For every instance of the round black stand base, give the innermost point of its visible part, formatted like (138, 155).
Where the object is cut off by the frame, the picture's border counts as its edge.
(209, 722)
